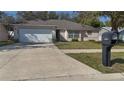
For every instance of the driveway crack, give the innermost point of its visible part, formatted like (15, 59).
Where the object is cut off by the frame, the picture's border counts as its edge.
(10, 59)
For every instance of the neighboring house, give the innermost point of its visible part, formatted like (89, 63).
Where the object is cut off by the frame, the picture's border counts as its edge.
(3, 33)
(106, 29)
(121, 36)
(39, 31)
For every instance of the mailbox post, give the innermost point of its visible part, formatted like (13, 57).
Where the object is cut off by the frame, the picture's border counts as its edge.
(109, 39)
(106, 55)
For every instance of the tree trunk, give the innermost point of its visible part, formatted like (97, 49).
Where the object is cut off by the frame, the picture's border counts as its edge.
(114, 28)
(114, 24)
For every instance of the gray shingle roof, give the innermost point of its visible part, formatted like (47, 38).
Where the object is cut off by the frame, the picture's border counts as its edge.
(90, 28)
(62, 24)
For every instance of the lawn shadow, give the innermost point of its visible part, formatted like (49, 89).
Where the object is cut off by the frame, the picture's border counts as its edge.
(117, 60)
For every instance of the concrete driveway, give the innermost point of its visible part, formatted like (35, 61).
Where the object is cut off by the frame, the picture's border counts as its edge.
(40, 62)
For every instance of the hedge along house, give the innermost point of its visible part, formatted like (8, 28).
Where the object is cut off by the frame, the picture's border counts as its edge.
(3, 33)
(38, 31)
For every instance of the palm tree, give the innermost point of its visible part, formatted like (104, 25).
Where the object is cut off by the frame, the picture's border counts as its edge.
(117, 18)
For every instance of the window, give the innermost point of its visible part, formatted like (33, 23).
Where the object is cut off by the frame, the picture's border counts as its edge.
(70, 36)
(89, 32)
(73, 35)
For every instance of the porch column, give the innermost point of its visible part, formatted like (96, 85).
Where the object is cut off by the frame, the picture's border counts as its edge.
(66, 35)
(79, 36)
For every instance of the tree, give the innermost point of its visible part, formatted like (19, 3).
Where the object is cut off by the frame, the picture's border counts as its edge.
(20, 17)
(2, 15)
(43, 15)
(65, 16)
(27, 15)
(8, 20)
(95, 23)
(107, 23)
(53, 15)
(102, 24)
(88, 17)
(32, 15)
(117, 18)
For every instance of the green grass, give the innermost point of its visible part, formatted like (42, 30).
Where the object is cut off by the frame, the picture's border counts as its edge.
(94, 60)
(3, 43)
(83, 45)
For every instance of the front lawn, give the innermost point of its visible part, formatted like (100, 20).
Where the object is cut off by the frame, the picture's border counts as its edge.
(83, 45)
(94, 60)
(3, 43)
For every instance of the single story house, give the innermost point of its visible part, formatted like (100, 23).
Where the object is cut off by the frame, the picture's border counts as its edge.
(3, 33)
(39, 31)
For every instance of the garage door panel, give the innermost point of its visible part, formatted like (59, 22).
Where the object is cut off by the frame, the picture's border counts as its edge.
(35, 35)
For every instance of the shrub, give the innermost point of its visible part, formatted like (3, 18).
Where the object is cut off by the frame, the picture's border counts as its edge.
(75, 40)
(92, 40)
(99, 42)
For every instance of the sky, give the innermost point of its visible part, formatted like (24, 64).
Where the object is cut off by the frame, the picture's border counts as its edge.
(102, 18)
(11, 13)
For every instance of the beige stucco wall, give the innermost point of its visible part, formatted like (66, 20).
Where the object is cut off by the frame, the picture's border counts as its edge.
(63, 35)
(83, 36)
(3, 33)
(91, 36)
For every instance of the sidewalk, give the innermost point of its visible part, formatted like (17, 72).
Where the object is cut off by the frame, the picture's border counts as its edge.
(88, 50)
(90, 77)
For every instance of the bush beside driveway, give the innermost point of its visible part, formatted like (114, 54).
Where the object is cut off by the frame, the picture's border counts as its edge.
(3, 43)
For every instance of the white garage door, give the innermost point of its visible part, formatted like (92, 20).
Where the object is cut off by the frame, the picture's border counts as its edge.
(35, 35)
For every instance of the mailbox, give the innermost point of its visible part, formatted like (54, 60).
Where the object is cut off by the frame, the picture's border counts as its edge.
(109, 39)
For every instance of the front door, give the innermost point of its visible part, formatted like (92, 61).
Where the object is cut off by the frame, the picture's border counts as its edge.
(57, 35)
